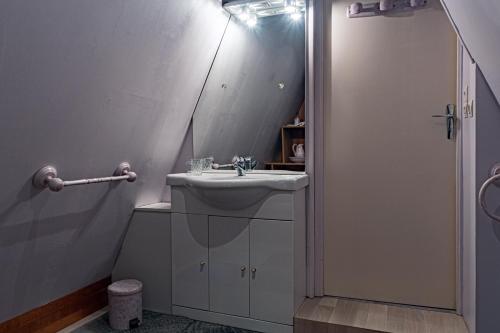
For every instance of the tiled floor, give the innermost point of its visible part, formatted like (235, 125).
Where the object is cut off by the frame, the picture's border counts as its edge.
(154, 322)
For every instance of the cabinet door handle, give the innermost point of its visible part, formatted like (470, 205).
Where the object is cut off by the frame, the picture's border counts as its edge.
(254, 270)
(243, 268)
(202, 266)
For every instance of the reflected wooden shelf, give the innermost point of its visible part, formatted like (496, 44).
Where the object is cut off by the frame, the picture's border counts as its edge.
(290, 135)
(285, 166)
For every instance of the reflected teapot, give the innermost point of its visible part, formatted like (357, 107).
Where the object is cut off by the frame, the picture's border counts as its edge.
(298, 150)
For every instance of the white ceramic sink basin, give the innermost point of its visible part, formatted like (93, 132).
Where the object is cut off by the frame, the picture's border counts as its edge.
(270, 180)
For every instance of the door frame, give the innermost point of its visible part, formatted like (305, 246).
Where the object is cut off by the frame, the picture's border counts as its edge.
(459, 179)
(317, 19)
(318, 46)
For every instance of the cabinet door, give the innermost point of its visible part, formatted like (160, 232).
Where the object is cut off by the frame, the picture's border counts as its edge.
(229, 257)
(190, 260)
(271, 266)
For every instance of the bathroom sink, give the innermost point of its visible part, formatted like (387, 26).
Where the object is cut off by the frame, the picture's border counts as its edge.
(281, 181)
(225, 190)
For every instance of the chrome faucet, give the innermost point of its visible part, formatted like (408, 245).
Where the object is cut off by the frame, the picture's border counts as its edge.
(240, 164)
(244, 164)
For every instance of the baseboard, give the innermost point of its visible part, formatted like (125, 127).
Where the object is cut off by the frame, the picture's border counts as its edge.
(58, 314)
(234, 321)
(82, 322)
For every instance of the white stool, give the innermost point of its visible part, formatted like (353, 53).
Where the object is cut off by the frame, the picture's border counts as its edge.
(125, 304)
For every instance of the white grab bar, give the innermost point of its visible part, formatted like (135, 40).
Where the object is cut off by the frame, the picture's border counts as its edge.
(494, 177)
(46, 177)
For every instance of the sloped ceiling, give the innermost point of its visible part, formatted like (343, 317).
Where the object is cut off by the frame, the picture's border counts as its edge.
(85, 85)
(478, 23)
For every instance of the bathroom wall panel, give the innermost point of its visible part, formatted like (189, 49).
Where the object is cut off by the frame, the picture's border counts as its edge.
(86, 85)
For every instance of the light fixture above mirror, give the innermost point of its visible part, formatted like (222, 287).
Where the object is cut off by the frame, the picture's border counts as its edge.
(250, 11)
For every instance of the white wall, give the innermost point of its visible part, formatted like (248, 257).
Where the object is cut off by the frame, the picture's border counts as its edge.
(86, 85)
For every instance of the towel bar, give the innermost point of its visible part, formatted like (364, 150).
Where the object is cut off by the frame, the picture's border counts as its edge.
(494, 178)
(46, 177)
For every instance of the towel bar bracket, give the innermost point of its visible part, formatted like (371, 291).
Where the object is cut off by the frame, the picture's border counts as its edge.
(46, 177)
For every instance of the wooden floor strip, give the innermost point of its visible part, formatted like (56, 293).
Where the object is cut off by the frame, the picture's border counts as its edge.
(337, 315)
(62, 312)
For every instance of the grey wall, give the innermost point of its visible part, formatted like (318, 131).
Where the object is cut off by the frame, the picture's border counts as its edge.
(245, 117)
(478, 24)
(86, 85)
(487, 231)
(146, 255)
(481, 235)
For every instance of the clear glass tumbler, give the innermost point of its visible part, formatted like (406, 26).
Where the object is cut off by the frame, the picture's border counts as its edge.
(196, 167)
(207, 163)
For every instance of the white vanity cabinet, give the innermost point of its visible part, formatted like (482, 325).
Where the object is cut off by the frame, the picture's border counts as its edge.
(271, 267)
(245, 267)
(229, 266)
(190, 261)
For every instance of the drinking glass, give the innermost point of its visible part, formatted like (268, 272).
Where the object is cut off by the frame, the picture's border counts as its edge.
(195, 167)
(207, 163)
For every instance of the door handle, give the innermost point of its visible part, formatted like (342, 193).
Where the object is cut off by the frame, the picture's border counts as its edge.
(451, 118)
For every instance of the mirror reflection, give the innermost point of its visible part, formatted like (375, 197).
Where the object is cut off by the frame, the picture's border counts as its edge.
(252, 102)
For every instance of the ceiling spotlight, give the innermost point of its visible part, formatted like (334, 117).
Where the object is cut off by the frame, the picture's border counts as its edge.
(296, 16)
(264, 8)
(252, 21)
(290, 6)
(244, 16)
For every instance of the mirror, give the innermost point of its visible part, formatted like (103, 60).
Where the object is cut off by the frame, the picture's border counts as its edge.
(256, 86)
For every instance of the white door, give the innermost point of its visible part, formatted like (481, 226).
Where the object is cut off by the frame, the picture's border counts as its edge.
(190, 260)
(271, 271)
(390, 202)
(229, 255)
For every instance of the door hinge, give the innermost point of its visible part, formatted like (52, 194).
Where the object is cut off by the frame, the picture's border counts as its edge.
(468, 106)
